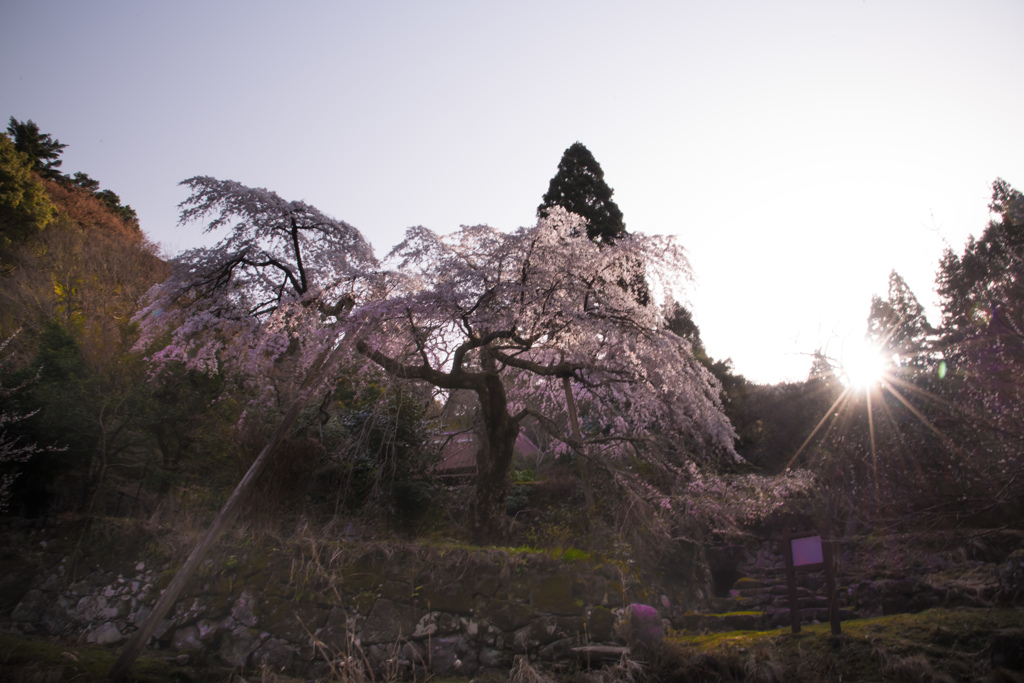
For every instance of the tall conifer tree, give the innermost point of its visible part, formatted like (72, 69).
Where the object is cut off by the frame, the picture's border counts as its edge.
(42, 149)
(579, 187)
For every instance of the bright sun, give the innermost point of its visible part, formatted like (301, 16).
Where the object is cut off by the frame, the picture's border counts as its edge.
(862, 365)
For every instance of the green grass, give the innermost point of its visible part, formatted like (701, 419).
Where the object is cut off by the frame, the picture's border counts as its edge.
(939, 645)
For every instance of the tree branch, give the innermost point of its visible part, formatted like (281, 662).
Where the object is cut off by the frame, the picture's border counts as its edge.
(444, 380)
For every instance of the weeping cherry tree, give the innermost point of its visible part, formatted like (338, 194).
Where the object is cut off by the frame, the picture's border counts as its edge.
(267, 304)
(534, 322)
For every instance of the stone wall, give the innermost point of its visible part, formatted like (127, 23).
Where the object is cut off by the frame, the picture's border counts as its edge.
(308, 608)
(875, 577)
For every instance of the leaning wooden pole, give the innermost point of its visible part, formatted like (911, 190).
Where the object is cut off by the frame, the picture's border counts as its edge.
(222, 522)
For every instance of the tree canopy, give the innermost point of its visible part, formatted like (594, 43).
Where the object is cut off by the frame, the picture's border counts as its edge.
(42, 149)
(898, 323)
(531, 320)
(519, 319)
(24, 207)
(271, 287)
(579, 188)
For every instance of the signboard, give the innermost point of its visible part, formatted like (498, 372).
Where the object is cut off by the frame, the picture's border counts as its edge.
(806, 551)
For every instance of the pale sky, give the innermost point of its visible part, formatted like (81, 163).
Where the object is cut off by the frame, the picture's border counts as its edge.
(800, 150)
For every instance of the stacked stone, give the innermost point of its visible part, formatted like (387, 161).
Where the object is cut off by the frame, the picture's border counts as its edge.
(759, 598)
(391, 617)
(103, 606)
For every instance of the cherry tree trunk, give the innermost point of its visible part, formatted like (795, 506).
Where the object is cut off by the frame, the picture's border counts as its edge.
(493, 460)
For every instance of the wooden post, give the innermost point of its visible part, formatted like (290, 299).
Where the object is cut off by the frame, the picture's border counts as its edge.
(794, 602)
(814, 553)
(830, 586)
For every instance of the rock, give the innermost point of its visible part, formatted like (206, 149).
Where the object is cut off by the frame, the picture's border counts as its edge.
(90, 608)
(388, 622)
(426, 626)
(641, 627)
(187, 612)
(415, 654)
(493, 658)
(335, 633)
(139, 616)
(756, 601)
(274, 653)
(508, 616)
(118, 609)
(30, 608)
(453, 599)
(244, 609)
(555, 595)
(186, 638)
(294, 622)
(237, 645)
(437, 623)
(208, 629)
(385, 660)
(558, 650)
(470, 627)
(540, 631)
(451, 656)
(105, 634)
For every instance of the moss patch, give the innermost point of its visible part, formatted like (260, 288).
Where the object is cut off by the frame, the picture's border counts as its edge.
(891, 648)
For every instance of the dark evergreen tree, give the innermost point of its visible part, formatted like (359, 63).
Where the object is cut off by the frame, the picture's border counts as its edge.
(982, 343)
(899, 325)
(579, 187)
(41, 148)
(83, 181)
(679, 319)
(986, 284)
(122, 211)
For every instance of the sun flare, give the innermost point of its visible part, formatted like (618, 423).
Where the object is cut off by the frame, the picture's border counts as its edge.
(862, 365)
